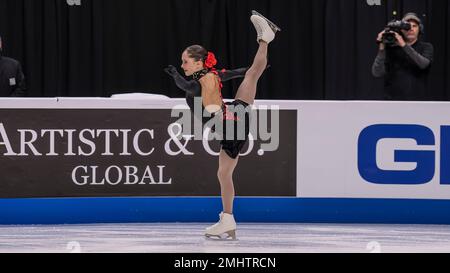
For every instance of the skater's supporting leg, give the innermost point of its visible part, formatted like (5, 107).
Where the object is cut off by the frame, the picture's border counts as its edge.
(226, 225)
(225, 175)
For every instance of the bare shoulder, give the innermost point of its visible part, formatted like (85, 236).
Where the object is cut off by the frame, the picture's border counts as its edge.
(209, 78)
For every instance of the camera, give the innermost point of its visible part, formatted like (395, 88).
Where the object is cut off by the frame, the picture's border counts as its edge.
(394, 26)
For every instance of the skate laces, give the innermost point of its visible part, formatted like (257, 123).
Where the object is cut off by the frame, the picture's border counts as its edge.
(259, 30)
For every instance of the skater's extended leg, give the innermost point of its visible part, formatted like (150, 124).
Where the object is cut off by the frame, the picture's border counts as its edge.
(265, 34)
(247, 89)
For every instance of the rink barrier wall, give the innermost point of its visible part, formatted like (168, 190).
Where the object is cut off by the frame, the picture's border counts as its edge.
(357, 162)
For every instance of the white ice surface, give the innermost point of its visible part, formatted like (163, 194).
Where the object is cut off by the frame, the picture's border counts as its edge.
(252, 238)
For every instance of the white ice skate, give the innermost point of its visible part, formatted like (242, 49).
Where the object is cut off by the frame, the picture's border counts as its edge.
(225, 229)
(264, 27)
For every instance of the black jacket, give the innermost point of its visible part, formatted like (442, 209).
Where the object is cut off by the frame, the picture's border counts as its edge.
(405, 71)
(12, 80)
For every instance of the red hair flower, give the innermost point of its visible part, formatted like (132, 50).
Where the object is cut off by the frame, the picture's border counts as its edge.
(210, 61)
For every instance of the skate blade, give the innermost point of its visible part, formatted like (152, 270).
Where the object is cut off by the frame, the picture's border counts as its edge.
(227, 236)
(271, 24)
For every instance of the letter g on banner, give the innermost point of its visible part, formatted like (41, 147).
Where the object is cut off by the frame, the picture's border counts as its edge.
(367, 155)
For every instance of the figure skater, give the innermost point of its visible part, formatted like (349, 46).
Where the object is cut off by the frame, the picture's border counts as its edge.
(207, 83)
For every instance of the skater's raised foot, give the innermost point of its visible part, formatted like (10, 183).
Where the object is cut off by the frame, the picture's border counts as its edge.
(265, 29)
(274, 27)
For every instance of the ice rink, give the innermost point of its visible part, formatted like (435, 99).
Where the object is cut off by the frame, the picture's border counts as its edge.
(252, 238)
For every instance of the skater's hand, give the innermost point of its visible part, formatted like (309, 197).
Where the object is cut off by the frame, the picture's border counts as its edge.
(192, 87)
(171, 70)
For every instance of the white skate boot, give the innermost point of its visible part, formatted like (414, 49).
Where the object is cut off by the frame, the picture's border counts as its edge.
(264, 27)
(224, 229)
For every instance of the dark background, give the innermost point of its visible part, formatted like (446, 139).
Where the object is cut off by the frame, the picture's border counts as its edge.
(104, 47)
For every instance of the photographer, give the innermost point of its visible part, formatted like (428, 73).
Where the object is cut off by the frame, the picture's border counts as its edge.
(403, 60)
(12, 80)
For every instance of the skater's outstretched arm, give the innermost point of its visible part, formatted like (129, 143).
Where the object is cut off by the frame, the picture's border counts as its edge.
(227, 75)
(192, 87)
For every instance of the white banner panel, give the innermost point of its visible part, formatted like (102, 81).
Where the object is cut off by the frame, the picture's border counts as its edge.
(349, 150)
